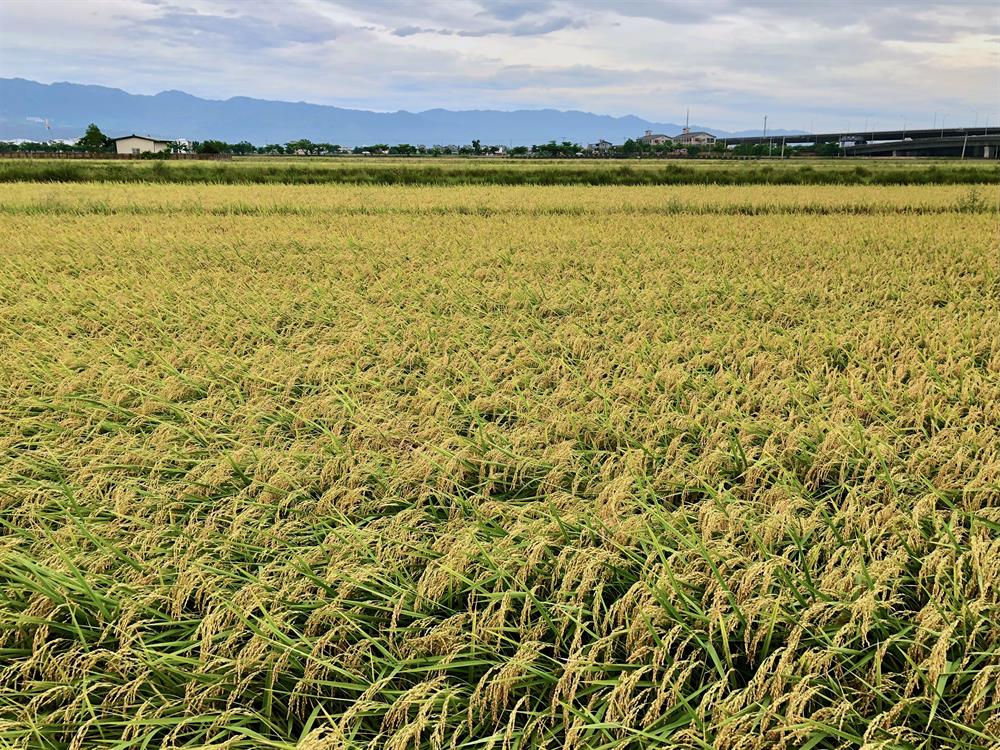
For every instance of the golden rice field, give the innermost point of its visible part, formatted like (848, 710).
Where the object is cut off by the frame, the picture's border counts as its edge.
(481, 467)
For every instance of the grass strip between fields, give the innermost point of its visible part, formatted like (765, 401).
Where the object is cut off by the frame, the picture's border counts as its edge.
(972, 204)
(572, 174)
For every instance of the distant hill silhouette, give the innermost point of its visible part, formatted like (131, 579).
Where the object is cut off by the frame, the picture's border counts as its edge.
(69, 107)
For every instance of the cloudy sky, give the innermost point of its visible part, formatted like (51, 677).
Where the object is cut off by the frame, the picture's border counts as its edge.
(807, 64)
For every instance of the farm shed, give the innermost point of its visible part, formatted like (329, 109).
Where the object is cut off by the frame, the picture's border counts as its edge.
(139, 144)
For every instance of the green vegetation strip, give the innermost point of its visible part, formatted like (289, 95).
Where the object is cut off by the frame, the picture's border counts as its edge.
(820, 173)
(973, 203)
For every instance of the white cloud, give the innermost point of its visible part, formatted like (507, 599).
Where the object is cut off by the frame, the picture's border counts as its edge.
(803, 63)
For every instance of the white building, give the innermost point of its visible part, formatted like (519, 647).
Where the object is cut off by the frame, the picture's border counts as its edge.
(139, 144)
(697, 138)
(654, 139)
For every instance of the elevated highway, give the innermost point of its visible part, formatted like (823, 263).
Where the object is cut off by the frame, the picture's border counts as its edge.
(967, 146)
(857, 136)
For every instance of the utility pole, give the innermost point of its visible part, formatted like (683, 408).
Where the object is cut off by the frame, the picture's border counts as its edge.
(765, 131)
(943, 118)
(783, 147)
(964, 144)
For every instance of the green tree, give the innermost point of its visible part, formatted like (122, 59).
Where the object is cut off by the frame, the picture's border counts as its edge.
(631, 147)
(212, 147)
(94, 139)
(827, 149)
(243, 148)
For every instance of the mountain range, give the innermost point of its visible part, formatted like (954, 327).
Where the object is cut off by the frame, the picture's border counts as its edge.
(38, 111)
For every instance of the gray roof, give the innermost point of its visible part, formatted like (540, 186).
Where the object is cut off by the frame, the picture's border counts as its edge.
(144, 137)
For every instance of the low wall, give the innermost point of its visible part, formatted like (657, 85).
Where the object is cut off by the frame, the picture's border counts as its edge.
(103, 155)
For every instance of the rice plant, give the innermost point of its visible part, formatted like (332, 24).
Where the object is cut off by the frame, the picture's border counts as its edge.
(499, 467)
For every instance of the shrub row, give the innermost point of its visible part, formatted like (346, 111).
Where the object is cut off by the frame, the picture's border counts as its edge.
(918, 174)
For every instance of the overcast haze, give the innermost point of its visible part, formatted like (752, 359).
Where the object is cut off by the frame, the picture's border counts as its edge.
(807, 65)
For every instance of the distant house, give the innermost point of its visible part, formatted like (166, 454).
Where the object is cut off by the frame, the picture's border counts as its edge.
(601, 145)
(139, 144)
(697, 138)
(655, 139)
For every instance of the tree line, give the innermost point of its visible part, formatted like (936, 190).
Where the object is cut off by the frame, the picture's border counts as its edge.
(95, 141)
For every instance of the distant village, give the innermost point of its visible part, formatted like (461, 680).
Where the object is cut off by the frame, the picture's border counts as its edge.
(649, 141)
(955, 141)
(685, 143)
